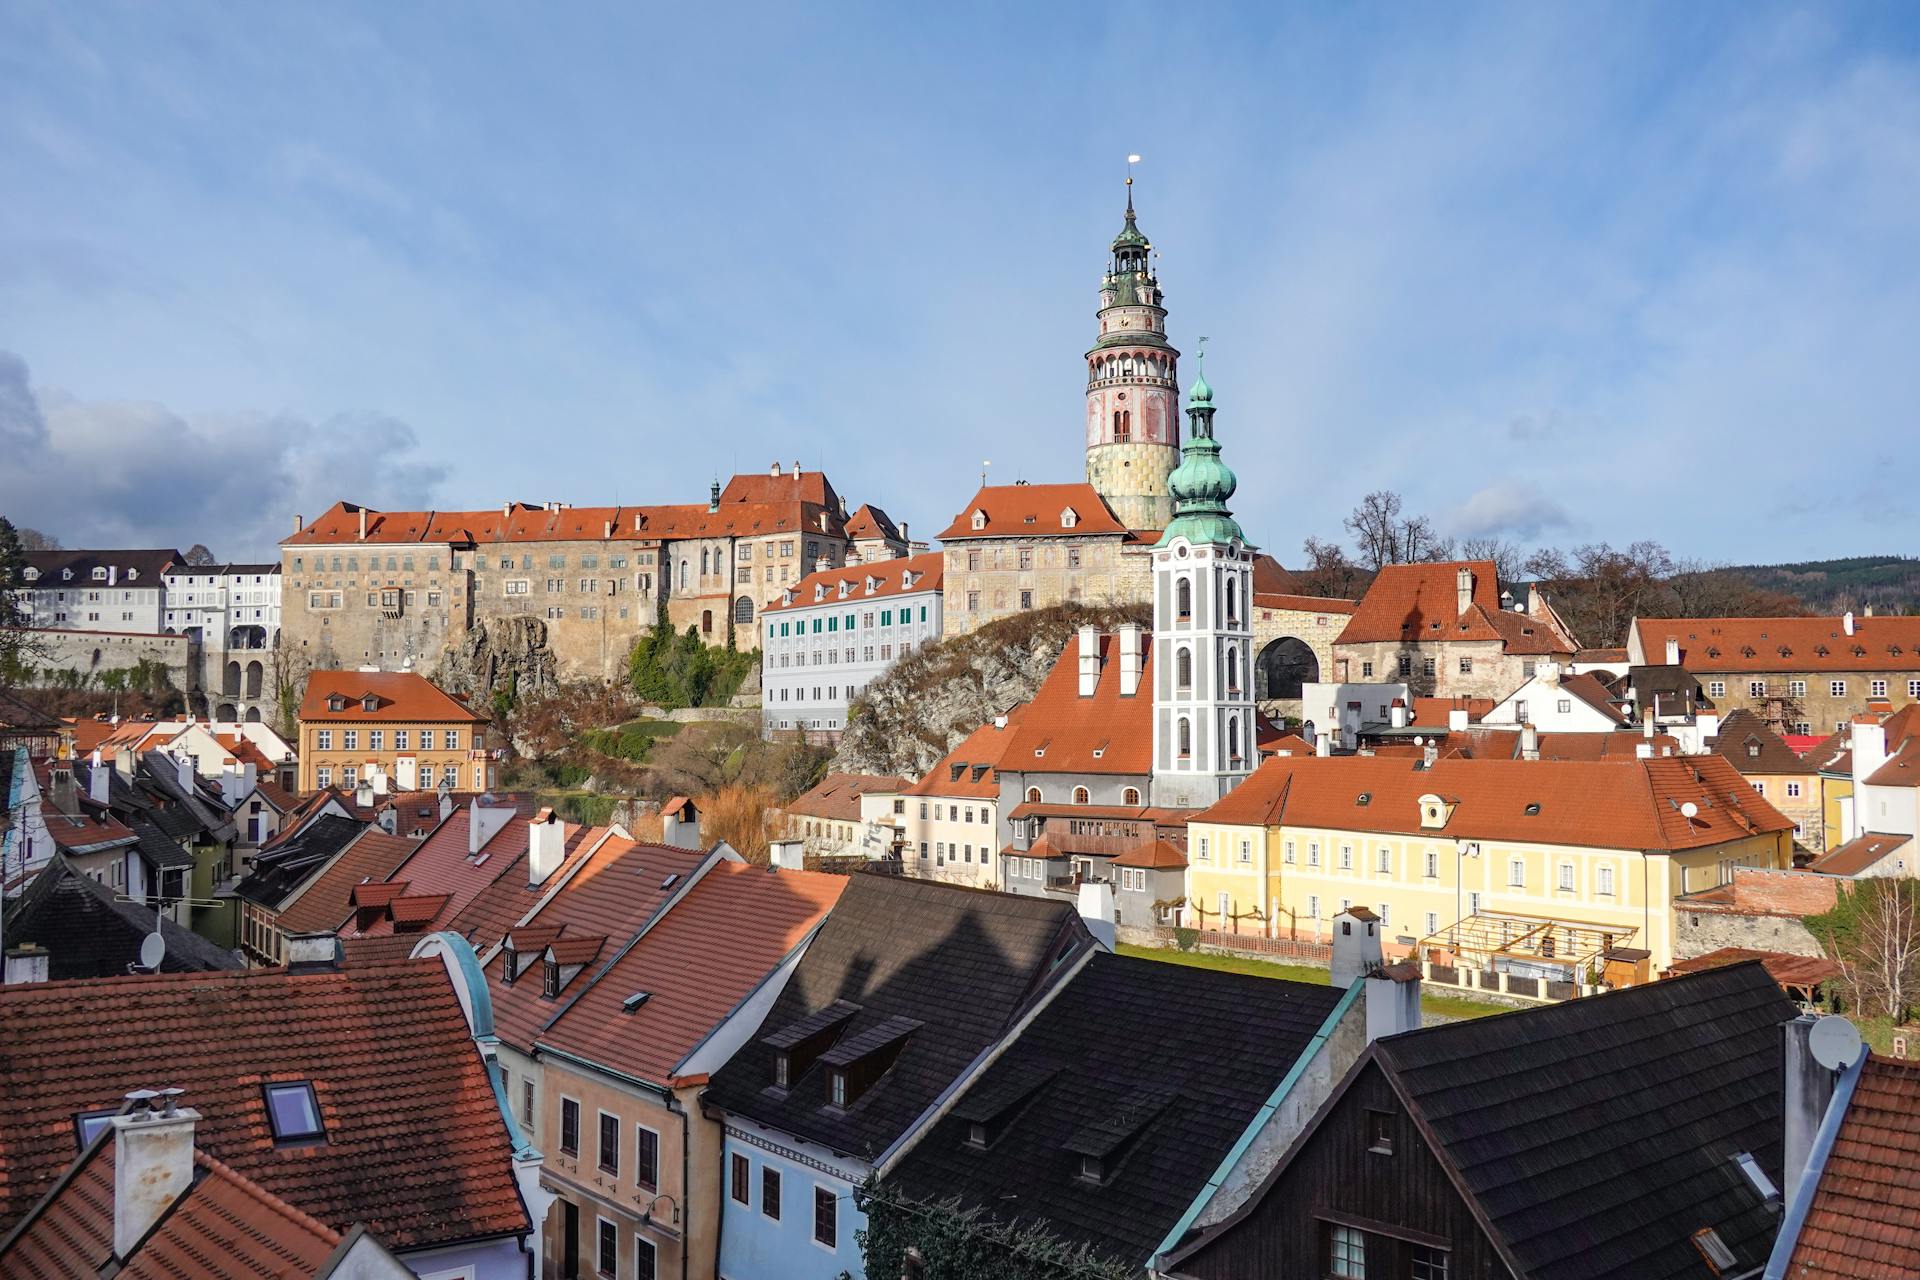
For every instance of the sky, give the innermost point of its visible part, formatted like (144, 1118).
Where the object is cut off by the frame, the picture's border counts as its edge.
(1555, 273)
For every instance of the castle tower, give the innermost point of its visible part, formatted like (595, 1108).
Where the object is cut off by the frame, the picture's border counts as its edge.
(1204, 727)
(1133, 388)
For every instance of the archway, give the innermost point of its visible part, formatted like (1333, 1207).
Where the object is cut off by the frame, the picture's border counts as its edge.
(224, 712)
(1283, 667)
(253, 715)
(255, 674)
(230, 685)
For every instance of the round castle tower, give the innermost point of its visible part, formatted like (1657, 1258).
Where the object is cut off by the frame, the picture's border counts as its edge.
(1133, 388)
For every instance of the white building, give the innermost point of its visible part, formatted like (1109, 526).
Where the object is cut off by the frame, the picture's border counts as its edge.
(831, 633)
(112, 591)
(1203, 724)
(1336, 709)
(1555, 702)
(232, 613)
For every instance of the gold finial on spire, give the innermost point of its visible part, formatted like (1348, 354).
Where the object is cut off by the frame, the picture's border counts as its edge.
(1132, 160)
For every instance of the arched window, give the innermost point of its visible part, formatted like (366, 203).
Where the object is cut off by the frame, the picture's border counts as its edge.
(1233, 670)
(1183, 668)
(1233, 601)
(1131, 796)
(683, 575)
(1033, 795)
(1183, 597)
(706, 622)
(1233, 739)
(1080, 795)
(1185, 738)
(703, 562)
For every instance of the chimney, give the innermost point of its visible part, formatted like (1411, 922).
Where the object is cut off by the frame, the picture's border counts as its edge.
(1646, 724)
(1808, 1089)
(506, 509)
(1869, 746)
(98, 778)
(1356, 945)
(26, 963)
(1429, 755)
(1129, 659)
(1323, 743)
(607, 532)
(796, 469)
(484, 822)
(1550, 673)
(1529, 742)
(63, 797)
(1089, 651)
(313, 953)
(363, 524)
(1463, 589)
(1846, 622)
(1673, 651)
(1457, 719)
(821, 564)
(299, 522)
(1393, 999)
(1536, 603)
(1868, 611)
(446, 805)
(774, 470)
(788, 855)
(680, 826)
(903, 535)
(1097, 911)
(152, 1165)
(1398, 714)
(546, 846)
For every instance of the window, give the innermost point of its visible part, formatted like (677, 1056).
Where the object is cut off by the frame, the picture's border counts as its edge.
(737, 1181)
(1246, 851)
(1286, 855)
(1516, 873)
(607, 1256)
(1603, 882)
(350, 739)
(526, 1105)
(1796, 688)
(1716, 688)
(1566, 877)
(1203, 849)
(826, 1218)
(1878, 688)
(1760, 788)
(1380, 1132)
(323, 740)
(1346, 1253)
(1426, 1263)
(1426, 666)
(1756, 688)
(1366, 671)
(452, 738)
(1313, 906)
(88, 1124)
(1433, 923)
(1385, 862)
(646, 1157)
(1080, 795)
(770, 1192)
(1466, 666)
(294, 1112)
(646, 1259)
(400, 740)
(1433, 865)
(1913, 689)
(1793, 791)
(1346, 857)
(569, 1127)
(1313, 853)
(1838, 688)
(1130, 797)
(376, 739)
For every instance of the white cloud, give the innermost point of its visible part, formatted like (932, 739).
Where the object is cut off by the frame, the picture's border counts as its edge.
(1508, 508)
(132, 473)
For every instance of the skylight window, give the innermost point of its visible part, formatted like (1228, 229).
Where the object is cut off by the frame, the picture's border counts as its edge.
(294, 1112)
(635, 1000)
(88, 1124)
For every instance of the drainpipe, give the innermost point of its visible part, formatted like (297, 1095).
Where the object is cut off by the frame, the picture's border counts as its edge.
(686, 1181)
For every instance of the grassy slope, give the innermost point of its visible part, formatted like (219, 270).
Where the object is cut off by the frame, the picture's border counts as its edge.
(1439, 1006)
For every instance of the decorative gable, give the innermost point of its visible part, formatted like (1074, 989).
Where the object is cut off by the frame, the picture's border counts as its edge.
(1069, 518)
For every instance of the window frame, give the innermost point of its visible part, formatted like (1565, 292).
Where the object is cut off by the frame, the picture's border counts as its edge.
(739, 1178)
(310, 1137)
(832, 1201)
(640, 1162)
(569, 1108)
(771, 1191)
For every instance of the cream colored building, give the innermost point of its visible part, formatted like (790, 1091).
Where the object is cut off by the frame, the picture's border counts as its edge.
(1027, 546)
(950, 822)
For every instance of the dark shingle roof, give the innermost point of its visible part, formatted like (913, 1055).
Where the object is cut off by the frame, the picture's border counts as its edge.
(88, 933)
(156, 846)
(1161, 1063)
(288, 866)
(965, 962)
(1749, 745)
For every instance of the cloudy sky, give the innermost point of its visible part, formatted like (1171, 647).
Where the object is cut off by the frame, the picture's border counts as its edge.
(1562, 273)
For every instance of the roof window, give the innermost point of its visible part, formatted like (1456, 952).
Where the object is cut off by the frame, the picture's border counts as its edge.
(634, 1001)
(1533, 810)
(88, 1124)
(856, 1063)
(1366, 798)
(294, 1112)
(799, 1043)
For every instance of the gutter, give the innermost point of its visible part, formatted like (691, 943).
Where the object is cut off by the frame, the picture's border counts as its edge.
(1796, 1215)
(1259, 1121)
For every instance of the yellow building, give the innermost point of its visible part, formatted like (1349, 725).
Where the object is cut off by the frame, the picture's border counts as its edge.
(1832, 763)
(1599, 847)
(359, 725)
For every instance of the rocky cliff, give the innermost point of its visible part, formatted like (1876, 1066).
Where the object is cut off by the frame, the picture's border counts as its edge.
(501, 651)
(927, 702)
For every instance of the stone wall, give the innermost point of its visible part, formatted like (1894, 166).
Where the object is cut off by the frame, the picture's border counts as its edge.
(1696, 931)
(989, 578)
(1818, 708)
(93, 653)
(1494, 674)
(1132, 477)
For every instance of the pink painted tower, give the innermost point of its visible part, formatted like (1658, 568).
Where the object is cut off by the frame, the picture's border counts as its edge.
(1133, 388)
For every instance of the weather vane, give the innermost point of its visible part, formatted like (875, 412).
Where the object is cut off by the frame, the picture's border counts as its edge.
(1200, 350)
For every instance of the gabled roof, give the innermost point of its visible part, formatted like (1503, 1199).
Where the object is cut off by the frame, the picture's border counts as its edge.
(1108, 732)
(1864, 1219)
(1860, 853)
(444, 873)
(1738, 645)
(1420, 602)
(837, 796)
(1749, 745)
(1787, 970)
(386, 1047)
(1902, 768)
(89, 933)
(967, 771)
(399, 697)
(1104, 1042)
(1624, 804)
(862, 583)
(1031, 510)
(321, 902)
(1593, 1138)
(696, 963)
(278, 873)
(966, 962)
(871, 522)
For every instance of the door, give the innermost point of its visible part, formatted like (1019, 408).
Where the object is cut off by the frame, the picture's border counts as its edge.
(569, 1240)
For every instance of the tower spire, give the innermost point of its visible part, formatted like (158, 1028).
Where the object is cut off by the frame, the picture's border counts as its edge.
(1202, 483)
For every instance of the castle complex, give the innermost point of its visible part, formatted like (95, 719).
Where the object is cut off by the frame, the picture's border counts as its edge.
(1133, 387)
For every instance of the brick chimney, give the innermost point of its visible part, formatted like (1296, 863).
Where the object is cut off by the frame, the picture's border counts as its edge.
(152, 1164)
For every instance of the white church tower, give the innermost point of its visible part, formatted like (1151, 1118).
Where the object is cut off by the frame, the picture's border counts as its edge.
(1203, 713)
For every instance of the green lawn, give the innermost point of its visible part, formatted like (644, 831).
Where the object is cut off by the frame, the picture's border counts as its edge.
(1450, 1007)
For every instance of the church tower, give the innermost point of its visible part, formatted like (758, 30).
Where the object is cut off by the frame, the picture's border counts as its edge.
(1133, 388)
(1204, 730)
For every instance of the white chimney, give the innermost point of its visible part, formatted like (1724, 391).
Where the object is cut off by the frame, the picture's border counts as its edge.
(1393, 1000)
(1529, 742)
(299, 522)
(25, 964)
(1550, 673)
(152, 1165)
(788, 855)
(1356, 945)
(446, 805)
(363, 524)
(1097, 912)
(484, 822)
(1673, 651)
(1430, 755)
(1869, 738)
(546, 846)
(98, 779)
(1536, 603)
(1397, 717)
(774, 470)
(183, 766)
(1463, 589)
(681, 827)
(1089, 651)
(1129, 658)
(312, 952)
(1457, 719)
(1323, 744)
(1846, 622)
(796, 468)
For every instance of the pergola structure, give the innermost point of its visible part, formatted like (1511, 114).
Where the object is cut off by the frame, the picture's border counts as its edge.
(1485, 937)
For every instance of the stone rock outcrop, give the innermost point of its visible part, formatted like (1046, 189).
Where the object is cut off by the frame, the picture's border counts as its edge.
(926, 703)
(499, 652)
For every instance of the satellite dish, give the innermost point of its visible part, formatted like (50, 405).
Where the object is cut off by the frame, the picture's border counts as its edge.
(153, 949)
(1834, 1043)
(1689, 810)
(1419, 741)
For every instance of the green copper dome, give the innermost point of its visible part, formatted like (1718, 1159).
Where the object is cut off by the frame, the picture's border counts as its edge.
(1202, 483)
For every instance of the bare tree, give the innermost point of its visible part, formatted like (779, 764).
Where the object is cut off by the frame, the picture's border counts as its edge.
(34, 540)
(1509, 561)
(1598, 589)
(1329, 571)
(200, 557)
(1384, 534)
(1873, 934)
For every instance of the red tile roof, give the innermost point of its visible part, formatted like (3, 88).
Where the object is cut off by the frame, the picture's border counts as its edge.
(1154, 854)
(1755, 644)
(837, 796)
(1631, 804)
(1289, 744)
(1303, 604)
(443, 869)
(1902, 769)
(696, 963)
(967, 771)
(400, 696)
(386, 1047)
(1787, 970)
(1030, 510)
(324, 903)
(1420, 602)
(1062, 732)
(871, 522)
(1436, 713)
(888, 578)
(1864, 1222)
(1858, 854)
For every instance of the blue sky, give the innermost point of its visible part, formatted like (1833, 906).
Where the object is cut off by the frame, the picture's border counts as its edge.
(1561, 273)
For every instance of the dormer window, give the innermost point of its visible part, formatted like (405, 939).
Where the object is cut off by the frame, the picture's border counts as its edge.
(838, 1091)
(976, 1135)
(979, 519)
(294, 1113)
(797, 1045)
(856, 1063)
(32, 574)
(99, 573)
(1069, 518)
(336, 703)
(369, 703)
(1091, 1170)
(550, 987)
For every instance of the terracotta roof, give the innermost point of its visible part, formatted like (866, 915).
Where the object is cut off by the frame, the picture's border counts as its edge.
(1420, 602)
(1834, 754)
(1601, 655)
(400, 696)
(871, 522)
(837, 796)
(1156, 854)
(697, 963)
(888, 578)
(1864, 1220)
(386, 1047)
(224, 1224)
(1029, 510)
(1587, 687)
(1755, 644)
(1436, 713)
(1290, 744)
(794, 485)
(1488, 743)
(283, 875)
(1787, 970)
(1858, 854)
(1062, 732)
(967, 771)
(1750, 746)
(1756, 891)
(443, 869)
(282, 800)
(1902, 769)
(1629, 804)
(1303, 604)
